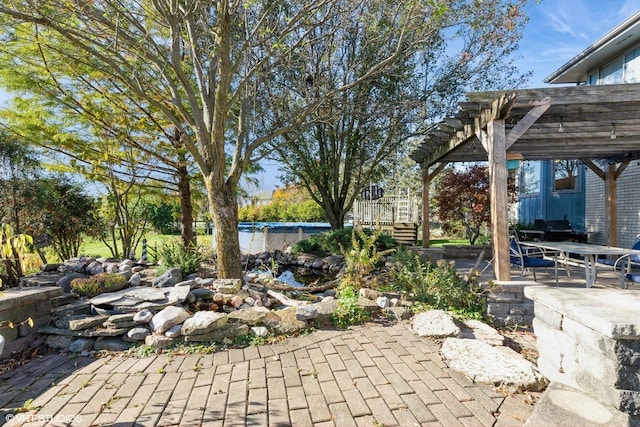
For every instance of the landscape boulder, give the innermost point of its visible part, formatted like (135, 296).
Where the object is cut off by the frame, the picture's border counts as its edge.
(65, 281)
(138, 333)
(434, 323)
(475, 329)
(168, 278)
(500, 366)
(203, 322)
(168, 317)
(227, 286)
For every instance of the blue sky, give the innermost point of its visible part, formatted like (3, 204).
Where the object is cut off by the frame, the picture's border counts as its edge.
(558, 30)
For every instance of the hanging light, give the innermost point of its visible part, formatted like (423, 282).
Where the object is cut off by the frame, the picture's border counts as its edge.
(613, 131)
(561, 127)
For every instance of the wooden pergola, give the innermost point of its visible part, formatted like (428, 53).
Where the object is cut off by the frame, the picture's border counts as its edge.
(599, 125)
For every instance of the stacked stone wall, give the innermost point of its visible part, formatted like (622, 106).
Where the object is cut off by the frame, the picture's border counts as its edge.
(507, 304)
(23, 311)
(584, 349)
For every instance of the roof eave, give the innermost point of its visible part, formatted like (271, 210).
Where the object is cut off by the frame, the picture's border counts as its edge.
(564, 74)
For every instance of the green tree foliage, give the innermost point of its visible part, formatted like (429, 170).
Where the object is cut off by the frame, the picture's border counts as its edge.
(162, 217)
(34, 204)
(121, 218)
(291, 204)
(48, 205)
(438, 50)
(67, 214)
(17, 164)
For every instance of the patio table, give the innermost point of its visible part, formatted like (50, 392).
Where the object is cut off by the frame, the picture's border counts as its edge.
(588, 251)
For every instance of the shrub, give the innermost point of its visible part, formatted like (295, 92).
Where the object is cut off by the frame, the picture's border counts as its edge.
(176, 255)
(335, 241)
(361, 259)
(348, 312)
(439, 286)
(98, 284)
(13, 249)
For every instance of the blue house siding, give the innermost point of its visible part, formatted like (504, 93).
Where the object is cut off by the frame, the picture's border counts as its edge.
(548, 204)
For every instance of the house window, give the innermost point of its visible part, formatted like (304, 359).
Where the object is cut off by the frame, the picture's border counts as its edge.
(530, 183)
(593, 79)
(612, 72)
(565, 175)
(632, 66)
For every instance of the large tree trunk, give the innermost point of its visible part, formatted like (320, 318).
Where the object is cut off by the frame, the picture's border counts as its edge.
(186, 208)
(223, 206)
(335, 217)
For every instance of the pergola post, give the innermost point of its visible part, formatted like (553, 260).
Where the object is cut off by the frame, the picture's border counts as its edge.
(426, 233)
(497, 156)
(427, 177)
(610, 190)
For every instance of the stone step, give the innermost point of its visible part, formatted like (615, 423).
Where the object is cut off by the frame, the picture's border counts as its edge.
(562, 406)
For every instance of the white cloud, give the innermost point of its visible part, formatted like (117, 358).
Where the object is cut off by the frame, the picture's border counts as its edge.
(563, 23)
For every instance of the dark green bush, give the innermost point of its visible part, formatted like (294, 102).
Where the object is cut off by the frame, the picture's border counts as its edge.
(334, 242)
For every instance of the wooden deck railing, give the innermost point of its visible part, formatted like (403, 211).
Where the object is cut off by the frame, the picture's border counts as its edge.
(387, 210)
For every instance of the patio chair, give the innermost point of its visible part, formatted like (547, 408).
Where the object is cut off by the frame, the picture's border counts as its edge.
(635, 259)
(530, 260)
(623, 267)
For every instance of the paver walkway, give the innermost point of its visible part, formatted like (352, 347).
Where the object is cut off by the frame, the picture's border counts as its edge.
(370, 375)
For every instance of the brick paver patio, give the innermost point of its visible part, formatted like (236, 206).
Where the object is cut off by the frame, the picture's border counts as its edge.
(371, 375)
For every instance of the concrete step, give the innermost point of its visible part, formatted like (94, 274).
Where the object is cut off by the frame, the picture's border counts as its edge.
(562, 406)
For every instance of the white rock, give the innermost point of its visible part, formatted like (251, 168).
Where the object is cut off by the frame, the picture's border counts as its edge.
(125, 265)
(500, 366)
(138, 333)
(228, 286)
(382, 302)
(475, 329)
(434, 323)
(110, 268)
(203, 322)
(135, 279)
(306, 312)
(168, 317)
(260, 331)
(174, 331)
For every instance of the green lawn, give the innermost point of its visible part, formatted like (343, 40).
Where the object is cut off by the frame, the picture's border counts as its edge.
(440, 242)
(96, 248)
